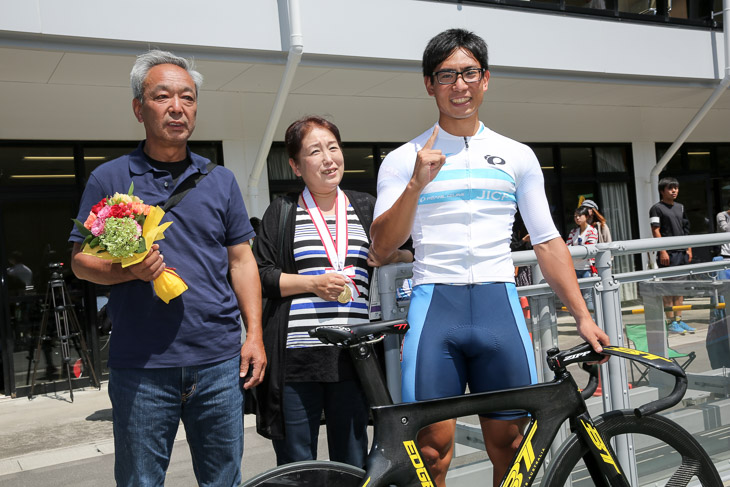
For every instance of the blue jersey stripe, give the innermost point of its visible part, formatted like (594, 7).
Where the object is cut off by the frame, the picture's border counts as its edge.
(480, 173)
(466, 195)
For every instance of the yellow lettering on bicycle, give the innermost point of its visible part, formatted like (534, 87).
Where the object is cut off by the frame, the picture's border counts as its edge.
(595, 437)
(525, 456)
(415, 457)
(646, 355)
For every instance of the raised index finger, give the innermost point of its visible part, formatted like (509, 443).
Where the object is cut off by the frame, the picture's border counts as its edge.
(431, 140)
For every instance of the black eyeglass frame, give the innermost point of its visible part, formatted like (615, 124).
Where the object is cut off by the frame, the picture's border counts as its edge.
(435, 74)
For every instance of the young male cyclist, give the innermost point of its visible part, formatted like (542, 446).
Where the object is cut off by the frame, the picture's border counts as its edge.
(455, 189)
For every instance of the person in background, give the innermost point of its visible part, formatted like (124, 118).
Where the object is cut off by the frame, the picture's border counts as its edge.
(583, 234)
(312, 254)
(723, 225)
(455, 189)
(597, 221)
(668, 219)
(181, 361)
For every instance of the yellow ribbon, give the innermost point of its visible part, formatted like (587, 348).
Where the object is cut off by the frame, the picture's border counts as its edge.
(168, 285)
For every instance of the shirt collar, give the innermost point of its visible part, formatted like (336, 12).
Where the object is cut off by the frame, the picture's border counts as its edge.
(139, 165)
(481, 133)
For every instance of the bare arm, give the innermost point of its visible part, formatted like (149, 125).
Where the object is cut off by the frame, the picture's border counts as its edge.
(557, 267)
(662, 254)
(391, 229)
(246, 285)
(327, 286)
(101, 271)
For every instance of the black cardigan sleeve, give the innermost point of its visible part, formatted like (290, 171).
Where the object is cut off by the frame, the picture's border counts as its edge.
(266, 248)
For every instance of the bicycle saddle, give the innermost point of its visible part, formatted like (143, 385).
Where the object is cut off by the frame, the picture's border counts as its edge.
(351, 335)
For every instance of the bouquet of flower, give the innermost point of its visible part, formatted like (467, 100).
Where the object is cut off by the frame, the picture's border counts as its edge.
(121, 228)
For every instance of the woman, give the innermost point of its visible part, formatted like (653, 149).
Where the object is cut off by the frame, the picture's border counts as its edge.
(583, 234)
(312, 252)
(597, 221)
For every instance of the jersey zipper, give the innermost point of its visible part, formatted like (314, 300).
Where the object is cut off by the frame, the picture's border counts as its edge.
(471, 213)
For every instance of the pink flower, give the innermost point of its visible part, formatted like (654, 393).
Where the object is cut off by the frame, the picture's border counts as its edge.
(104, 212)
(97, 228)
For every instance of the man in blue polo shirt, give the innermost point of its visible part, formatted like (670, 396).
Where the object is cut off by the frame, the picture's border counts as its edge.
(182, 360)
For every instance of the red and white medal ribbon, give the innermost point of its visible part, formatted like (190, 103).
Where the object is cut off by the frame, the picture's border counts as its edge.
(336, 249)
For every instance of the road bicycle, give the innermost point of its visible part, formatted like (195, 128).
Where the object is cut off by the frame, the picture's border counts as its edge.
(394, 459)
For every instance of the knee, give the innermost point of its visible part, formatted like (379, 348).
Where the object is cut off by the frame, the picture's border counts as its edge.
(436, 457)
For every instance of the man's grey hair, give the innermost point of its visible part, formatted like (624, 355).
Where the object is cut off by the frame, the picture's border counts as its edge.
(153, 58)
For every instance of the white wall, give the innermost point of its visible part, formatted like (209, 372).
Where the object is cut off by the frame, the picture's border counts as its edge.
(383, 29)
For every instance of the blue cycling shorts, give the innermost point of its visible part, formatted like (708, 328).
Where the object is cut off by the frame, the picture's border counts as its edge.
(466, 335)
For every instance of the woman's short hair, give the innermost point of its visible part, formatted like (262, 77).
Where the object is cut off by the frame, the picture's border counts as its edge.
(296, 132)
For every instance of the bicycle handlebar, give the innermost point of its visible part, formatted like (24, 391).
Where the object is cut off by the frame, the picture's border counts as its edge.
(557, 361)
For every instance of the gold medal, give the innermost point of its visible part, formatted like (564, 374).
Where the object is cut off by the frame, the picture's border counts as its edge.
(345, 295)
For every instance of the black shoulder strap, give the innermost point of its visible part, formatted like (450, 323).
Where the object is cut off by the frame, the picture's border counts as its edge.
(184, 188)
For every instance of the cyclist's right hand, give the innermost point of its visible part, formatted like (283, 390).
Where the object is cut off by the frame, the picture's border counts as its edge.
(428, 162)
(591, 333)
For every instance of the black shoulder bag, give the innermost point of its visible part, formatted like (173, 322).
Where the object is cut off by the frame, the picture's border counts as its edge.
(184, 188)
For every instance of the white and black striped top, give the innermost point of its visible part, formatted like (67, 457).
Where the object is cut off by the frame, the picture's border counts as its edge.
(309, 311)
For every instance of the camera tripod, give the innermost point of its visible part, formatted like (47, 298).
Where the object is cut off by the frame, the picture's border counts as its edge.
(59, 301)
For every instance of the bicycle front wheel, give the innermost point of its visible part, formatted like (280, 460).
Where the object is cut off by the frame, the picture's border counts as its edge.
(674, 460)
(311, 473)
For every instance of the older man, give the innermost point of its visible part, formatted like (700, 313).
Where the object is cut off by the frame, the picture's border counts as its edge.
(182, 360)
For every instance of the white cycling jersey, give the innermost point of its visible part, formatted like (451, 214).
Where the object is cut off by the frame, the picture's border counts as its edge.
(463, 225)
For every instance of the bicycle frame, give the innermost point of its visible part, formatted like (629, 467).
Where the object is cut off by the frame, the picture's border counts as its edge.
(395, 458)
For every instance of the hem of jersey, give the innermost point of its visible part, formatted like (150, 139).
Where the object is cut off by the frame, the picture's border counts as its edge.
(464, 282)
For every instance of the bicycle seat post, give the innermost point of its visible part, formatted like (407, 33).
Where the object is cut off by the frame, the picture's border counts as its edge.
(370, 374)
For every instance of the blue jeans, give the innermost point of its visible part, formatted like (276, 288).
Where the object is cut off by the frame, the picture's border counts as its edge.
(346, 415)
(147, 406)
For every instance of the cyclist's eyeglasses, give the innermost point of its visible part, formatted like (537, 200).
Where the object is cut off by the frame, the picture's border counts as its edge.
(449, 76)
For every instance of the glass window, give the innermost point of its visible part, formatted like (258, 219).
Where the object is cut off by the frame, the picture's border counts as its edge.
(675, 163)
(699, 159)
(545, 156)
(359, 162)
(576, 161)
(278, 165)
(611, 159)
(723, 158)
(32, 165)
(210, 150)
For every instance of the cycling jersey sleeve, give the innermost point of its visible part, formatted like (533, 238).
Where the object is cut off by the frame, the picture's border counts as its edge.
(393, 178)
(533, 204)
